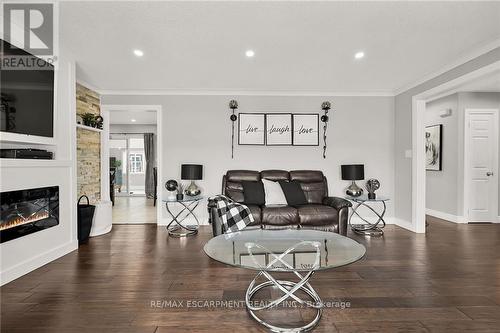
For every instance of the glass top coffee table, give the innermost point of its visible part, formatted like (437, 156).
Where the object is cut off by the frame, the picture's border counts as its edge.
(298, 252)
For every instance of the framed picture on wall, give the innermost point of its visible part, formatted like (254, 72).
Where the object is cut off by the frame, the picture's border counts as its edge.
(279, 129)
(433, 147)
(305, 129)
(251, 129)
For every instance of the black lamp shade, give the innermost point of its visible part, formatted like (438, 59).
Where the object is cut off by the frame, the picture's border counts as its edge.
(353, 171)
(191, 171)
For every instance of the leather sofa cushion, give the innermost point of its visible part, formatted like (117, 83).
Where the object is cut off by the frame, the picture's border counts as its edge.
(256, 213)
(280, 215)
(314, 192)
(317, 215)
(241, 175)
(253, 192)
(307, 176)
(234, 191)
(275, 175)
(293, 193)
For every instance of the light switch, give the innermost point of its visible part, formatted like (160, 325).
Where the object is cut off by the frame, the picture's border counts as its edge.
(408, 153)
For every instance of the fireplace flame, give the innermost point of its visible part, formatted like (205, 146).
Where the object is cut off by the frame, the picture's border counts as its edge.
(17, 221)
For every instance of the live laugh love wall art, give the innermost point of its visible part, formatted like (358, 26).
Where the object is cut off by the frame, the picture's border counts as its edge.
(278, 129)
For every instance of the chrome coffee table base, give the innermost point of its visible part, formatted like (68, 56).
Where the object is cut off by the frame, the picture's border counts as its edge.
(288, 289)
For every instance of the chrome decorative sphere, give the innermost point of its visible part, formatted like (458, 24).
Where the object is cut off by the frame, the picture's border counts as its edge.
(171, 185)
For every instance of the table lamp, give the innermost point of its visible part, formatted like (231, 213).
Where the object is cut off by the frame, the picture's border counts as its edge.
(353, 172)
(192, 172)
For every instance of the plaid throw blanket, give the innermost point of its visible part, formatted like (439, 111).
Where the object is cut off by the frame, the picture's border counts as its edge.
(234, 216)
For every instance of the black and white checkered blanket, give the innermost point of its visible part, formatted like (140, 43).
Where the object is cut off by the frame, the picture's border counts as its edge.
(234, 216)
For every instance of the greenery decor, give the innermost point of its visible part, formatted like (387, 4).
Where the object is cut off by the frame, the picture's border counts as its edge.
(88, 119)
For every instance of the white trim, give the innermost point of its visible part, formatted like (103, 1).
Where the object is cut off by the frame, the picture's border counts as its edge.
(228, 92)
(159, 143)
(405, 224)
(462, 60)
(418, 138)
(88, 128)
(26, 163)
(466, 150)
(446, 216)
(418, 165)
(31, 264)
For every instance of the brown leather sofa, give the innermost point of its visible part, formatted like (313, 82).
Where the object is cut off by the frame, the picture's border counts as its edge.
(321, 212)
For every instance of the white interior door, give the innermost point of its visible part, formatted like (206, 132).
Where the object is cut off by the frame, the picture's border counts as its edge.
(481, 138)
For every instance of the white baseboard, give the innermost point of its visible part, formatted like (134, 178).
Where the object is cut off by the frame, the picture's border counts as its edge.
(31, 264)
(445, 216)
(404, 224)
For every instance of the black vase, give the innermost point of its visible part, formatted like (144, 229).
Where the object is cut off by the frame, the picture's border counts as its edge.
(180, 196)
(372, 196)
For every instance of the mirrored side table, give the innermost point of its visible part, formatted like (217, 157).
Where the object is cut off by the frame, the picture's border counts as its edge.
(176, 227)
(369, 228)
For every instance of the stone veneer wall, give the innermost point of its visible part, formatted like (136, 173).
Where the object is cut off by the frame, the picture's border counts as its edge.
(88, 146)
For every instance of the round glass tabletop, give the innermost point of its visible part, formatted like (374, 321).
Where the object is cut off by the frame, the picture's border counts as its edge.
(364, 197)
(284, 250)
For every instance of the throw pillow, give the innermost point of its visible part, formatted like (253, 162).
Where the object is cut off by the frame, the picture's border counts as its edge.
(293, 192)
(274, 193)
(253, 193)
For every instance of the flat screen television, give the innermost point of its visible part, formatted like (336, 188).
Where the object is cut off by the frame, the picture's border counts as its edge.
(27, 96)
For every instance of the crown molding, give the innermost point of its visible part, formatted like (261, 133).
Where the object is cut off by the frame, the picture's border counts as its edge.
(290, 93)
(485, 48)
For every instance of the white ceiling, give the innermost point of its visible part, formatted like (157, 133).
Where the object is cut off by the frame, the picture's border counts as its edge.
(299, 46)
(124, 117)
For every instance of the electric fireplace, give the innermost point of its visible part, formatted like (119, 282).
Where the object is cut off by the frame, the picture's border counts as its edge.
(24, 212)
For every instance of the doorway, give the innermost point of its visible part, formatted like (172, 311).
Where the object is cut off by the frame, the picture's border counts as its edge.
(480, 80)
(134, 152)
(127, 156)
(481, 165)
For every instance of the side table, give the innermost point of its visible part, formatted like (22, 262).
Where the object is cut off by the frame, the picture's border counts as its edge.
(369, 228)
(175, 227)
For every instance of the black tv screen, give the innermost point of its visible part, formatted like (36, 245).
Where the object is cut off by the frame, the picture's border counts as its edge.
(27, 95)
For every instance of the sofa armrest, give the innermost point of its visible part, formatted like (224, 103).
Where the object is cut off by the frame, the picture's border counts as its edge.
(342, 207)
(337, 203)
(214, 219)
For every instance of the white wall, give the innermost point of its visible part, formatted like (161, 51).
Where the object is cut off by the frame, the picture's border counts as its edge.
(197, 129)
(22, 255)
(442, 186)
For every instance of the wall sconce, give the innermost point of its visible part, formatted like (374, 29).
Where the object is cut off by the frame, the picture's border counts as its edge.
(233, 105)
(325, 106)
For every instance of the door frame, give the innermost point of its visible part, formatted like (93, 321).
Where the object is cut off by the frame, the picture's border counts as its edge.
(418, 175)
(159, 145)
(467, 152)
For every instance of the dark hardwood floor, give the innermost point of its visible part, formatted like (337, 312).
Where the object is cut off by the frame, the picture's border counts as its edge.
(445, 281)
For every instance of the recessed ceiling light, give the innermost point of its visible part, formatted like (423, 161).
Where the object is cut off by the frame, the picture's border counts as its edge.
(138, 53)
(359, 55)
(133, 120)
(250, 53)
